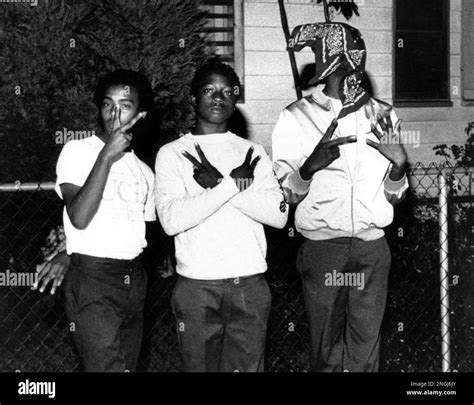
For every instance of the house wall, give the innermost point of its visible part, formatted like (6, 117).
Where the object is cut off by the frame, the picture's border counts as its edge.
(269, 83)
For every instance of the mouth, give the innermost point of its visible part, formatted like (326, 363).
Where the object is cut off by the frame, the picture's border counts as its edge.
(217, 108)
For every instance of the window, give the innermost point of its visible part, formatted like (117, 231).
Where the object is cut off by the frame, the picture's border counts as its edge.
(468, 50)
(224, 32)
(421, 52)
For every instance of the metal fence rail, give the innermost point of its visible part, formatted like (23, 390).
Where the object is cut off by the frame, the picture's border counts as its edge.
(424, 329)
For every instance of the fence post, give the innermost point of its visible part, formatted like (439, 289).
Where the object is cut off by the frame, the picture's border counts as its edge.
(444, 272)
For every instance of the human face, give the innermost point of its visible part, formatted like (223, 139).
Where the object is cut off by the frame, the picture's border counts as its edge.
(120, 98)
(215, 104)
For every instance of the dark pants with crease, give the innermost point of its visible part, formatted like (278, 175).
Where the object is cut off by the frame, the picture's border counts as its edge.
(222, 324)
(104, 301)
(344, 320)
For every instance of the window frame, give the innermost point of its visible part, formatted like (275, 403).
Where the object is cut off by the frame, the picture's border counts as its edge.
(238, 45)
(405, 103)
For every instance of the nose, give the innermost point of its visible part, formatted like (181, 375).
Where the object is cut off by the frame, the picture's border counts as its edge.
(218, 97)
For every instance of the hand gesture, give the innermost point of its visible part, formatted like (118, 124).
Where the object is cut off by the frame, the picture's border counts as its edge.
(389, 145)
(52, 270)
(243, 174)
(206, 175)
(119, 139)
(325, 152)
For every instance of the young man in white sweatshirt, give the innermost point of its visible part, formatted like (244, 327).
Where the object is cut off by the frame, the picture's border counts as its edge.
(214, 191)
(337, 157)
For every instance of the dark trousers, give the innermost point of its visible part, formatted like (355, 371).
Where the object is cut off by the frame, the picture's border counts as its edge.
(344, 319)
(222, 324)
(104, 301)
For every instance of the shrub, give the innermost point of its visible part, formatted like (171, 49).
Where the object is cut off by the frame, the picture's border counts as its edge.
(52, 55)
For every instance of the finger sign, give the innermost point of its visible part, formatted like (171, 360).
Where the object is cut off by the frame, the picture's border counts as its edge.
(382, 123)
(376, 132)
(133, 121)
(398, 125)
(116, 119)
(193, 160)
(248, 157)
(370, 142)
(389, 124)
(254, 163)
(330, 131)
(342, 141)
(201, 153)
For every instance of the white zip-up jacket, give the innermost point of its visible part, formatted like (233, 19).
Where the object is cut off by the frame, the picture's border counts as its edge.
(353, 196)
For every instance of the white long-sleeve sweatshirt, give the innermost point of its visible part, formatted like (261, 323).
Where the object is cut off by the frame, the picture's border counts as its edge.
(218, 232)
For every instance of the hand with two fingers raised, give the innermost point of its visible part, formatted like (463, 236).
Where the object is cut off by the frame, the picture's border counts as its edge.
(243, 174)
(205, 174)
(119, 139)
(325, 152)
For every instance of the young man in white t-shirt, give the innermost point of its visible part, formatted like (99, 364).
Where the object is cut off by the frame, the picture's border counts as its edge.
(109, 195)
(214, 191)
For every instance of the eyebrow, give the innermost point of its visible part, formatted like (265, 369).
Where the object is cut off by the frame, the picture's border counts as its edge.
(212, 84)
(121, 100)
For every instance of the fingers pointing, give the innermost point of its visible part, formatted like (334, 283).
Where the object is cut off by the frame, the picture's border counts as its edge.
(342, 141)
(330, 131)
(115, 123)
(193, 160)
(254, 163)
(248, 157)
(201, 153)
(133, 121)
(376, 132)
(374, 145)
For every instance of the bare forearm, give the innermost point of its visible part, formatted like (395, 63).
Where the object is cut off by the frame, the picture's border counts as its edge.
(85, 203)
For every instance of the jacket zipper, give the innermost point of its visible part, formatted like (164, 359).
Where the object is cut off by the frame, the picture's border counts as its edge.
(352, 208)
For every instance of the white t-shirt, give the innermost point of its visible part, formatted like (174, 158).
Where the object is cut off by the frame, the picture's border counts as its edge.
(118, 228)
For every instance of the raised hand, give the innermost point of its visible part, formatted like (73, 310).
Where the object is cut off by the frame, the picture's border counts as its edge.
(119, 139)
(389, 143)
(205, 174)
(325, 152)
(243, 174)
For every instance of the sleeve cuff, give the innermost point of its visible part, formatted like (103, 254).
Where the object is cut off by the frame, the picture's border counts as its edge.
(396, 187)
(297, 184)
(150, 217)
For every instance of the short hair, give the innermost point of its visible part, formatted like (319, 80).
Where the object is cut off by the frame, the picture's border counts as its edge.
(214, 66)
(146, 132)
(126, 78)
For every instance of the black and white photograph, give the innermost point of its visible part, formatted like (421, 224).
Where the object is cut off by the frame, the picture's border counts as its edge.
(192, 190)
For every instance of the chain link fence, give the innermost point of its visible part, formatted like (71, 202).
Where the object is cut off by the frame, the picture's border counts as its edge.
(34, 333)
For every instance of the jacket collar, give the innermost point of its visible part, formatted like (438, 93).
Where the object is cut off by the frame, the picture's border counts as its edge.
(320, 98)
